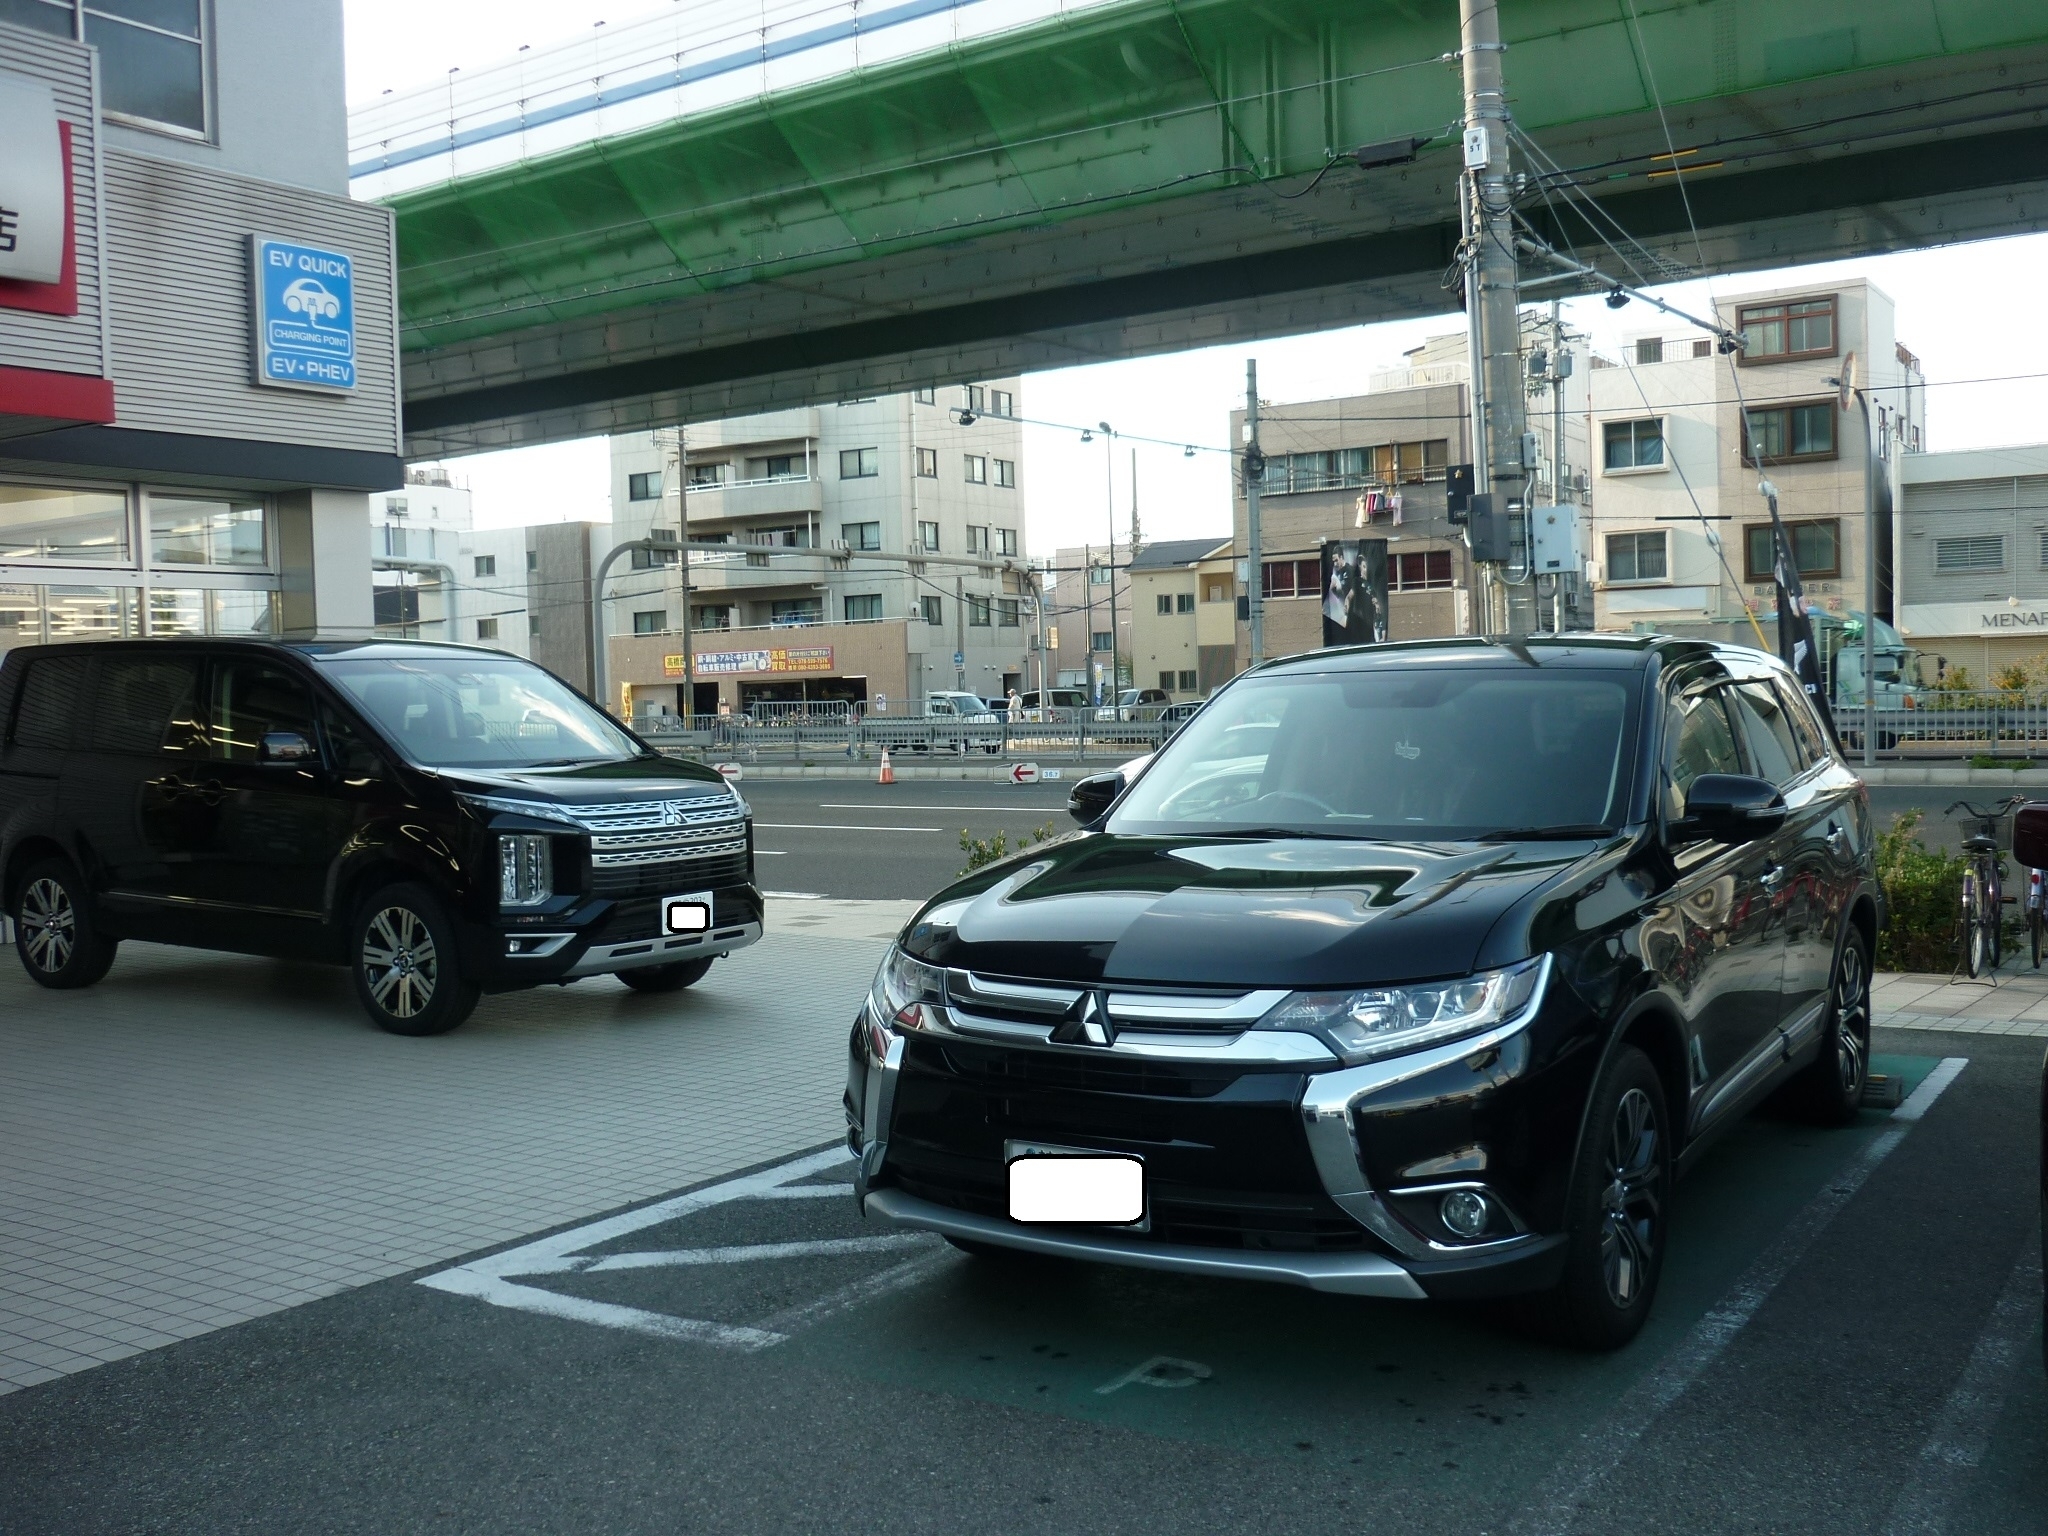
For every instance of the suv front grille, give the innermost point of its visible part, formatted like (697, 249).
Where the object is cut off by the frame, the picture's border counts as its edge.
(993, 1002)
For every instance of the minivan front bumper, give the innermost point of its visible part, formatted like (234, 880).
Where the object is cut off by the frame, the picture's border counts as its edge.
(604, 937)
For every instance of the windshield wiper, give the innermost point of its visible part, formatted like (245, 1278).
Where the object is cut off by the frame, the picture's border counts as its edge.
(1569, 831)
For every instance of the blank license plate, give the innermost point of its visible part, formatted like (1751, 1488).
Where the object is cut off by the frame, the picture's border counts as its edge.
(686, 914)
(1105, 1189)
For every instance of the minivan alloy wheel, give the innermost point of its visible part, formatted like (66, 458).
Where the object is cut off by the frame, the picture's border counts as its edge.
(400, 962)
(1632, 1199)
(49, 924)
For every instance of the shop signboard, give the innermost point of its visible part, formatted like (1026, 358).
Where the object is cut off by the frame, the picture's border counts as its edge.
(32, 200)
(814, 658)
(305, 315)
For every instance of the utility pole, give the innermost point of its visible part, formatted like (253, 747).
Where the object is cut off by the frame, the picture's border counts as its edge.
(682, 467)
(1116, 677)
(1254, 472)
(1499, 416)
(960, 632)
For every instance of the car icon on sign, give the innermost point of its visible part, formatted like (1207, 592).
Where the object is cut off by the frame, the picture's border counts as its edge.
(308, 297)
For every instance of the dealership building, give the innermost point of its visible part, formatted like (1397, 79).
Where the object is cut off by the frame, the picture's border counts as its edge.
(198, 346)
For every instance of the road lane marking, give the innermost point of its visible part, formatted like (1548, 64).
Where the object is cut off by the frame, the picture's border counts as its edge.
(1962, 1432)
(832, 826)
(897, 1277)
(1159, 1371)
(1557, 1503)
(834, 805)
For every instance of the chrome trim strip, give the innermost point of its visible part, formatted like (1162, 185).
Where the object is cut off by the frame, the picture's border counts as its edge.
(1348, 1274)
(1193, 1008)
(609, 959)
(1030, 999)
(1251, 1047)
(552, 945)
(1479, 1188)
(602, 857)
(1327, 1103)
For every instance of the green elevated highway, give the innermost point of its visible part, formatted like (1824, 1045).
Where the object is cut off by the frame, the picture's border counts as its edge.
(1141, 177)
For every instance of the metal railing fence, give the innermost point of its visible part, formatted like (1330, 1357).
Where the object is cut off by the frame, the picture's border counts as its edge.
(796, 740)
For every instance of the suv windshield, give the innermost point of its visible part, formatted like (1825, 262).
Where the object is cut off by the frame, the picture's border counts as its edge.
(1443, 752)
(480, 712)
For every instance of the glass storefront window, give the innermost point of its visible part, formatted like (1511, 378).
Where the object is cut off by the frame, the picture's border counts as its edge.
(193, 611)
(75, 527)
(190, 531)
(21, 616)
(89, 613)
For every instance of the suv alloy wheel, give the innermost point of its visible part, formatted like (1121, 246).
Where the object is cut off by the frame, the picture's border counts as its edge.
(1830, 1090)
(54, 932)
(407, 971)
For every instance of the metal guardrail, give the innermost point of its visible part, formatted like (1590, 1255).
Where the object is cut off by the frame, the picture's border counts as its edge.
(1962, 723)
(795, 740)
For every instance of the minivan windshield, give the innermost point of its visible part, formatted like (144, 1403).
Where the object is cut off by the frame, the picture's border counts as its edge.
(1401, 752)
(479, 712)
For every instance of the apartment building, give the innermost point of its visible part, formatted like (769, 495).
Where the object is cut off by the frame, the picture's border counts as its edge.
(1088, 618)
(1183, 616)
(870, 551)
(1682, 534)
(436, 576)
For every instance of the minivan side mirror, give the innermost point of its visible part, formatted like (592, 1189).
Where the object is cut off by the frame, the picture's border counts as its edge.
(285, 749)
(1091, 798)
(1730, 808)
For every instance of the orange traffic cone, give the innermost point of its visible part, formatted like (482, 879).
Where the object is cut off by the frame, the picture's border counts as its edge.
(888, 774)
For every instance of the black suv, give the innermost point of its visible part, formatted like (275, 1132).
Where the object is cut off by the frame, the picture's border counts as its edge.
(444, 821)
(1418, 971)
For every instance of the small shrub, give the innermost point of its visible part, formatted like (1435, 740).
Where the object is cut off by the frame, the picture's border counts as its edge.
(986, 850)
(2014, 677)
(1923, 891)
(1986, 760)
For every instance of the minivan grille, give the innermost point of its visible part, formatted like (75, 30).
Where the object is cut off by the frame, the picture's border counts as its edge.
(676, 877)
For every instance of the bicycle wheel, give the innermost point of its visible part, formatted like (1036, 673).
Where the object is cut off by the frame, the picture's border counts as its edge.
(1973, 925)
(2034, 934)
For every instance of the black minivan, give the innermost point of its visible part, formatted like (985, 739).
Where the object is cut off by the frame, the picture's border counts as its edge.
(1418, 970)
(445, 821)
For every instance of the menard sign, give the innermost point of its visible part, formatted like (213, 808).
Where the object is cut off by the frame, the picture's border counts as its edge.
(31, 181)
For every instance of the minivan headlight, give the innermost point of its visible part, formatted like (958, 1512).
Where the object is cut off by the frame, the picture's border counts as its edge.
(526, 869)
(902, 988)
(1385, 1021)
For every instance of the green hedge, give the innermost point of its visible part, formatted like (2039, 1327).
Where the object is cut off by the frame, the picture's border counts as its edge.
(1923, 889)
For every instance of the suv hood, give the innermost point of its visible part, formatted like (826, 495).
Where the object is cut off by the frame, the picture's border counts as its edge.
(637, 778)
(1280, 912)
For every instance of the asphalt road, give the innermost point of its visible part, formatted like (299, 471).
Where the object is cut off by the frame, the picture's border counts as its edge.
(846, 838)
(1848, 1340)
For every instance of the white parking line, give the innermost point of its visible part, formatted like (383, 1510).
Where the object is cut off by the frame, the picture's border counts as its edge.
(832, 826)
(1556, 1505)
(874, 805)
(494, 1277)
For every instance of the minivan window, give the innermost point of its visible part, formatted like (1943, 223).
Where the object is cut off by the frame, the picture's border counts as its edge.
(50, 696)
(147, 704)
(480, 712)
(250, 701)
(1437, 752)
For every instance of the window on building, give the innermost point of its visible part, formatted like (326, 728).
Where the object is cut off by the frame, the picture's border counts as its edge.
(859, 463)
(933, 608)
(976, 397)
(928, 463)
(790, 466)
(1634, 444)
(533, 626)
(928, 537)
(1776, 333)
(977, 540)
(650, 621)
(977, 469)
(1098, 575)
(1166, 677)
(652, 559)
(1099, 641)
(1650, 349)
(796, 610)
(1189, 682)
(1165, 602)
(195, 531)
(1702, 348)
(487, 565)
(1419, 572)
(533, 560)
(645, 487)
(1006, 473)
(711, 616)
(1001, 403)
(978, 614)
(1006, 541)
(704, 476)
(1980, 552)
(925, 396)
(1008, 614)
(1293, 578)
(1637, 557)
(866, 536)
(1781, 432)
(152, 53)
(1183, 602)
(864, 609)
(1218, 589)
(487, 629)
(1816, 546)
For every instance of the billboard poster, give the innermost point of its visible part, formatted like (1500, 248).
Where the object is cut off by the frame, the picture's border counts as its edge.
(815, 658)
(1354, 591)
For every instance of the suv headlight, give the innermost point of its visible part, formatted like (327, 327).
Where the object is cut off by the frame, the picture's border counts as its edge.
(1386, 1021)
(526, 869)
(902, 988)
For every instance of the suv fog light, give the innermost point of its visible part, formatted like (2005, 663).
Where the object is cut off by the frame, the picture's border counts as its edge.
(1464, 1212)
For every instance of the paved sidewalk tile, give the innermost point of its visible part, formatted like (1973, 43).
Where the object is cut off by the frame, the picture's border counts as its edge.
(2017, 1005)
(202, 1139)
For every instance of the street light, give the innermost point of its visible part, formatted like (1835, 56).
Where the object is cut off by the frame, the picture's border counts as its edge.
(1845, 386)
(658, 541)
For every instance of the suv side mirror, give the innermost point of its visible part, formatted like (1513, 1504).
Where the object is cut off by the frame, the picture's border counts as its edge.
(285, 749)
(1731, 808)
(1091, 798)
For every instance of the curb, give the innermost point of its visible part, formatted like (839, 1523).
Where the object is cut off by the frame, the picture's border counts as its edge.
(1953, 775)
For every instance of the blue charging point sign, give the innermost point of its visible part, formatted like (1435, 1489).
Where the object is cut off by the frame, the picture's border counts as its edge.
(305, 319)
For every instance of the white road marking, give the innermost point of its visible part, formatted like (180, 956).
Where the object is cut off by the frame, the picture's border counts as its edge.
(795, 895)
(771, 853)
(1159, 1371)
(1962, 1432)
(1579, 1473)
(832, 826)
(494, 1278)
(897, 1277)
(837, 805)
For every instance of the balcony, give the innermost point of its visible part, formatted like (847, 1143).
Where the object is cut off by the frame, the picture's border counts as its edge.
(722, 439)
(796, 497)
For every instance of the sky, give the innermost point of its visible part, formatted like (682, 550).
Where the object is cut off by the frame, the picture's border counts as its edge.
(1971, 312)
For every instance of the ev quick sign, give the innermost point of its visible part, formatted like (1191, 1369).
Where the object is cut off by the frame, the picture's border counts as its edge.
(305, 319)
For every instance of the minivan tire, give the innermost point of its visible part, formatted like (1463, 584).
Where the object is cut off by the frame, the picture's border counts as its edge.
(667, 978)
(408, 971)
(1615, 1251)
(1829, 1090)
(60, 946)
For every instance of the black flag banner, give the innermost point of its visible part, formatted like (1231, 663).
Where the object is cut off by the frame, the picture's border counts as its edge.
(1795, 624)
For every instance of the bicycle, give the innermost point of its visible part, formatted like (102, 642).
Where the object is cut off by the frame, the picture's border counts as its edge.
(2037, 918)
(1983, 895)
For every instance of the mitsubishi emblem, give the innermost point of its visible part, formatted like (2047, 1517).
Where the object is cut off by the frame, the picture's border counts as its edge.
(672, 812)
(1087, 1022)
